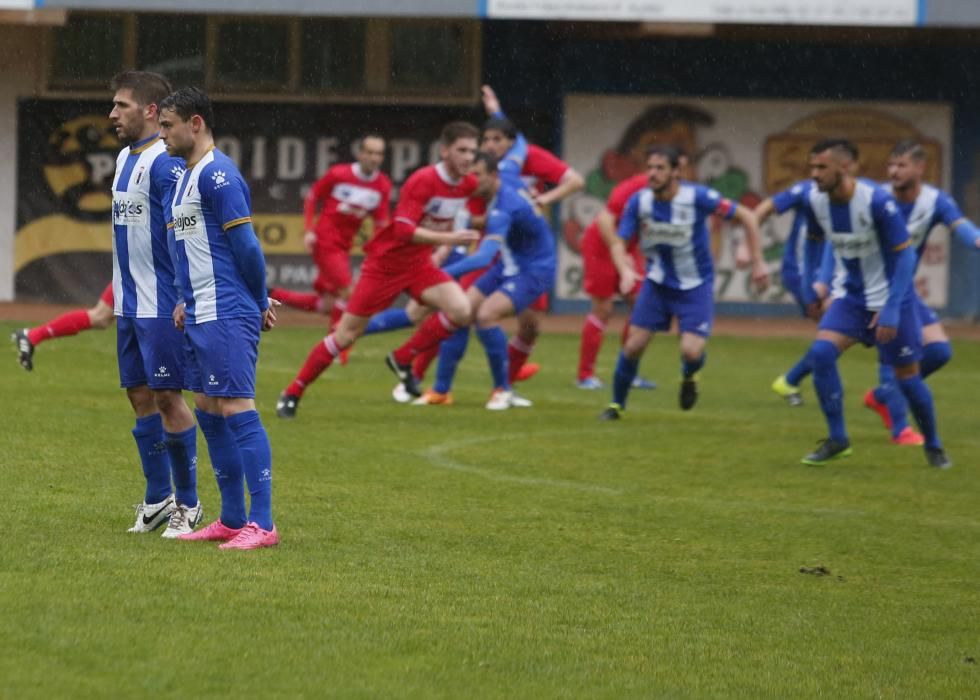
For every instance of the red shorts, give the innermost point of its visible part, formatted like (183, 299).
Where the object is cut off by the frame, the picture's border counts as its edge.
(333, 269)
(540, 304)
(106, 296)
(601, 278)
(469, 278)
(377, 287)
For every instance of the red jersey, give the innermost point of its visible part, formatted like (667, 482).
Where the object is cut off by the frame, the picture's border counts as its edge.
(348, 197)
(616, 203)
(542, 167)
(429, 199)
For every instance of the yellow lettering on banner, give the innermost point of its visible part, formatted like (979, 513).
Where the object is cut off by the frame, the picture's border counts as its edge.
(279, 234)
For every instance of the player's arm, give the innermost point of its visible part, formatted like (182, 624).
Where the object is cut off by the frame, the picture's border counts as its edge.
(750, 224)
(949, 213)
(311, 208)
(825, 275)
(551, 169)
(813, 252)
(764, 210)
(894, 236)
(781, 202)
(382, 215)
(497, 225)
(615, 239)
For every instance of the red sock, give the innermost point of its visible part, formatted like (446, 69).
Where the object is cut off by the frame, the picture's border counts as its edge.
(304, 301)
(61, 327)
(320, 357)
(433, 331)
(517, 353)
(423, 360)
(592, 331)
(626, 332)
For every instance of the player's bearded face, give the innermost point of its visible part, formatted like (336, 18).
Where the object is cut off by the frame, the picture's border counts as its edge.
(127, 116)
(484, 180)
(459, 156)
(903, 172)
(660, 174)
(495, 143)
(827, 171)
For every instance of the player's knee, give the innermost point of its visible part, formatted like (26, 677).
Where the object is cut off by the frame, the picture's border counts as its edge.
(141, 399)
(823, 353)
(170, 403)
(459, 312)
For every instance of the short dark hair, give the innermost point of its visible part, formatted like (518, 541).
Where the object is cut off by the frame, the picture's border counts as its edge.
(188, 101)
(839, 146)
(454, 131)
(487, 160)
(501, 124)
(148, 88)
(910, 147)
(671, 153)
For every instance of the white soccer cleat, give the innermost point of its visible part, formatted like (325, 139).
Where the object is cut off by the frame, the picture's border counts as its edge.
(183, 520)
(150, 516)
(518, 401)
(500, 400)
(400, 394)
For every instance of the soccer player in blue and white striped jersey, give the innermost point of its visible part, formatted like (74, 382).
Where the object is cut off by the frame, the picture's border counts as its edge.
(863, 224)
(670, 219)
(221, 273)
(150, 349)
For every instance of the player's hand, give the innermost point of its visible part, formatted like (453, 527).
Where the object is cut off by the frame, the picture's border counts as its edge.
(821, 290)
(883, 334)
(178, 316)
(269, 315)
(464, 236)
(490, 102)
(743, 258)
(814, 311)
(309, 241)
(760, 275)
(628, 277)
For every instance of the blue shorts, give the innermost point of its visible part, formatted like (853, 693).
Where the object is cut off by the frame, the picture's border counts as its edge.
(151, 353)
(657, 305)
(793, 283)
(851, 318)
(222, 356)
(523, 289)
(927, 316)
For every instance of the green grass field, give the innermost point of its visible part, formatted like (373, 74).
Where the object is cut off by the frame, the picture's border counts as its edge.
(455, 552)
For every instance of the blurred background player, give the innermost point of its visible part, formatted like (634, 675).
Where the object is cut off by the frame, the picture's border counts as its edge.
(334, 212)
(550, 180)
(517, 237)
(99, 317)
(399, 259)
(670, 219)
(865, 227)
(150, 349)
(221, 273)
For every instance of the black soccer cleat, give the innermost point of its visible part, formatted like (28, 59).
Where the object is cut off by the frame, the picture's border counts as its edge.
(613, 412)
(937, 458)
(827, 451)
(404, 374)
(689, 393)
(286, 405)
(25, 349)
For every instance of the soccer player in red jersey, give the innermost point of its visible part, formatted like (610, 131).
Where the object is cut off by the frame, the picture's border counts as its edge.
(335, 208)
(550, 179)
(99, 317)
(399, 259)
(601, 279)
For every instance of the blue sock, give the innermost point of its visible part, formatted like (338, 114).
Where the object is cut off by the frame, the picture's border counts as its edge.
(154, 457)
(495, 343)
(690, 367)
(388, 320)
(920, 400)
(934, 356)
(451, 352)
(626, 370)
(226, 460)
(888, 393)
(826, 381)
(798, 372)
(253, 443)
(183, 462)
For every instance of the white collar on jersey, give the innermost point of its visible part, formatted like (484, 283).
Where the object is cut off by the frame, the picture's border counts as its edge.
(359, 174)
(444, 174)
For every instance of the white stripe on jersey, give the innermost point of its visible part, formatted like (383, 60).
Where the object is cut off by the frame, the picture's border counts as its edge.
(678, 233)
(920, 218)
(132, 210)
(190, 227)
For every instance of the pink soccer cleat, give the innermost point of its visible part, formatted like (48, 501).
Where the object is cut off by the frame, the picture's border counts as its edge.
(252, 537)
(871, 403)
(527, 371)
(908, 437)
(215, 532)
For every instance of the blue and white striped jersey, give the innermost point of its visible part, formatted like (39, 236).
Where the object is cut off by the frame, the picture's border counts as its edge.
(931, 208)
(210, 199)
(865, 233)
(673, 233)
(142, 271)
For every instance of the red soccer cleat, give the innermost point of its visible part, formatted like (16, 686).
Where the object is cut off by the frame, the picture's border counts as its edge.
(908, 437)
(527, 371)
(881, 409)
